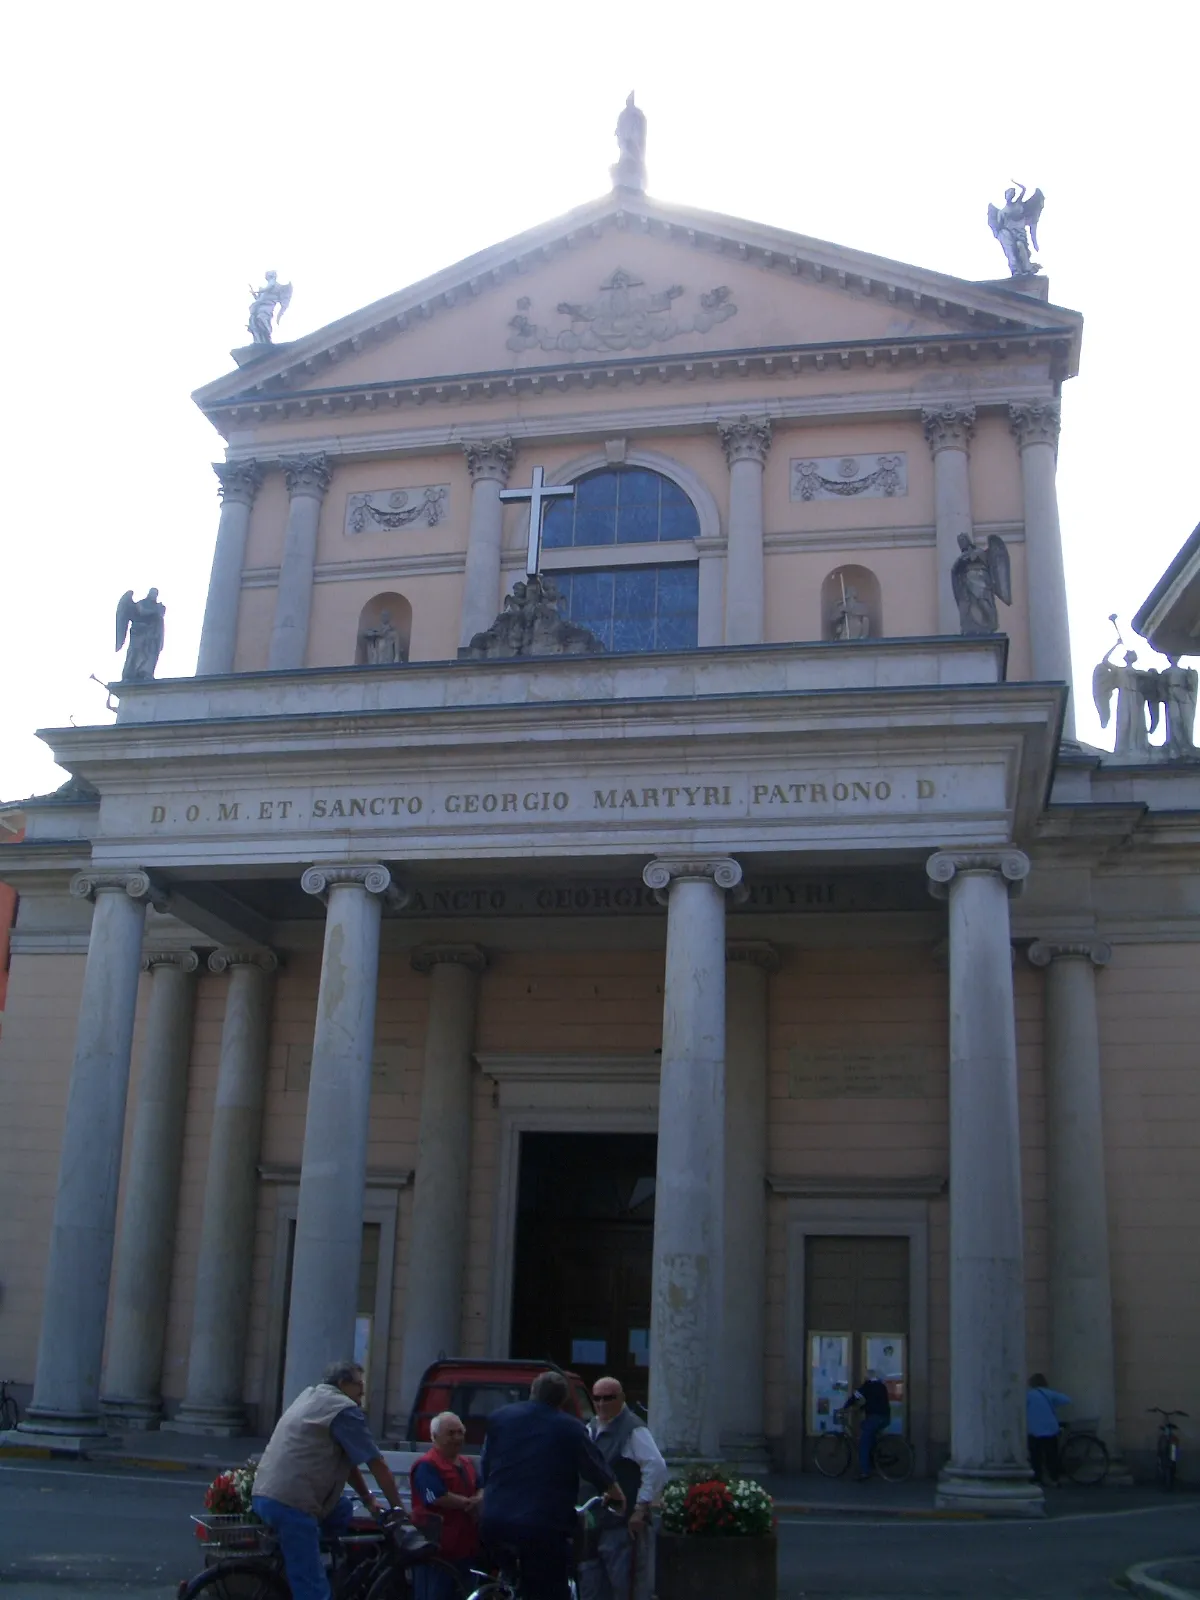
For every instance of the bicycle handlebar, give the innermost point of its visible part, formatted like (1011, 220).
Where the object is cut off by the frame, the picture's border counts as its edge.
(1166, 1415)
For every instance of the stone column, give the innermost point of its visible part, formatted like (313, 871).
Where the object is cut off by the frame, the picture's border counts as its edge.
(66, 1390)
(948, 431)
(142, 1282)
(438, 1241)
(749, 965)
(489, 466)
(333, 1166)
(746, 444)
(1081, 1325)
(239, 482)
(687, 1294)
(307, 479)
(225, 1270)
(1035, 427)
(989, 1467)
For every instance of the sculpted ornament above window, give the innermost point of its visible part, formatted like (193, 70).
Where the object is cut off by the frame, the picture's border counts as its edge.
(620, 318)
(836, 477)
(396, 508)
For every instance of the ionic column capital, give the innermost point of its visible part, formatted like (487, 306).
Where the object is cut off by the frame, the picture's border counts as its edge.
(371, 876)
(746, 439)
(1035, 422)
(490, 460)
(427, 956)
(238, 481)
(1043, 951)
(753, 953)
(1010, 865)
(307, 475)
(948, 427)
(181, 960)
(663, 871)
(236, 956)
(137, 884)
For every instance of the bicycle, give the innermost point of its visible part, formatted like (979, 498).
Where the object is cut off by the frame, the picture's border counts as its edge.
(1166, 1450)
(10, 1413)
(891, 1454)
(373, 1565)
(505, 1582)
(1082, 1457)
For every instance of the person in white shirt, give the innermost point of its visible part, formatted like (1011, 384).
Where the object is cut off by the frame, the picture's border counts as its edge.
(630, 1452)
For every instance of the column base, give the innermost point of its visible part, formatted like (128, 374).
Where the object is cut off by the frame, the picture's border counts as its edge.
(59, 1425)
(995, 1491)
(132, 1416)
(212, 1422)
(745, 1453)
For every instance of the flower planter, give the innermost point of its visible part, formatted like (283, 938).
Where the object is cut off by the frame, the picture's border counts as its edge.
(714, 1567)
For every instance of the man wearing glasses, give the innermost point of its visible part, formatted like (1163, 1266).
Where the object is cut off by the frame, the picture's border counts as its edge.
(630, 1453)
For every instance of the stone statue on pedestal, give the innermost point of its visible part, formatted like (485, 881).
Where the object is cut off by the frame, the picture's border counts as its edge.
(1137, 691)
(851, 618)
(273, 297)
(979, 578)
(1009, 223)
(142, 620)
(381, 644)
(1177, 690)
(532, 625)
(630, 170)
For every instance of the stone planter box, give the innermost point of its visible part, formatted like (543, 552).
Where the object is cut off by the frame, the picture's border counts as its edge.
(714, 1568)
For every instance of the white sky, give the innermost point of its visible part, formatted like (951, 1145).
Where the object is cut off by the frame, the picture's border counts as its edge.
(161, 156)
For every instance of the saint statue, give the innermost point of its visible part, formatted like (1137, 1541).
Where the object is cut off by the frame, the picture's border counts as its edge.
(264, 303)
(630, 170)
(381, 645)
(1009, 223)
(851, 618)
(1177, 689)
(979, 578)
(142, 620)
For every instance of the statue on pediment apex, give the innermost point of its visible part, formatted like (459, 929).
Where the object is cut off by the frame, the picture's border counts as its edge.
(630, 170)
(1011, 222)
(267, 306)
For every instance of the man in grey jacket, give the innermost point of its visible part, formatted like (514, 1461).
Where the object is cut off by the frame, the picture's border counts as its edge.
(320, 1442)
(630, 1453)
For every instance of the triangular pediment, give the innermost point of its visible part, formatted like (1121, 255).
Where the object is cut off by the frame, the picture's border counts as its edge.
(629, 279)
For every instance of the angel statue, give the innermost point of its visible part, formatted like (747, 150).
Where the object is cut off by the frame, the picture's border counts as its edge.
(980, 577)
(1009, 223)
(273, 296)
(142, 620)
(630, 170)
(1177, 690)
(1137, 691)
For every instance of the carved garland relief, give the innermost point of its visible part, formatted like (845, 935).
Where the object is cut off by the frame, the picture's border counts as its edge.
(620, 318)
(396, 508)
(836, 477)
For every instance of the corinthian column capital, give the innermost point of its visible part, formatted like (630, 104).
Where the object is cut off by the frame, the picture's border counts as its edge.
(1035, 422)
(1043, 951)
(309, 475)
(746, 439)
(136, 884)
(238, 481)
(948, 427)
(490, 460)
(944, 866)
(370, 876)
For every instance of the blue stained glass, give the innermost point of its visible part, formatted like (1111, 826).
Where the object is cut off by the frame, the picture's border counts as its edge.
(672, 494)
(634, 593)
(676, 633)
(633, 633)
(598, 489)
(678, 589)
(639, 487)
(594, 525)
(637, 524)
(635, 608)
(558, 525)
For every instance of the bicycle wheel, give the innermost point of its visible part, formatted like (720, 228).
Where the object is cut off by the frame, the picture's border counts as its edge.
(832, 1455)
(1084, 1459)
(238, 1580)
(892, 1457)
(397, 1583)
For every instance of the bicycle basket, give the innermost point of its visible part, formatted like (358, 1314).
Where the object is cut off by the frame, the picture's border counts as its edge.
(230, 1531)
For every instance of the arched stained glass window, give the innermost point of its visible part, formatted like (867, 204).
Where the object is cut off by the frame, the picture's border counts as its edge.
(635, 608)
(620, 505)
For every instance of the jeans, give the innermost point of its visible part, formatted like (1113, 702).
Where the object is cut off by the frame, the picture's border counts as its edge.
(1043, 1456)
(606, 1576)
(866, 1442)
(299, 1538)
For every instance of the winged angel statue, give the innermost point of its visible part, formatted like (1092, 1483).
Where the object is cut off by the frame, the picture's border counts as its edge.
(1140, 691)
(1009, 223)
(142, 620)
(979, 578)
(274, 297)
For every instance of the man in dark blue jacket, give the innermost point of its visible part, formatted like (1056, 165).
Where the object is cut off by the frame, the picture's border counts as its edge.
(533, 1458)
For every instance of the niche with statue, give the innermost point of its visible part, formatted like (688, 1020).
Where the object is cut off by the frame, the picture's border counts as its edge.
(851, 608)
(384, 629)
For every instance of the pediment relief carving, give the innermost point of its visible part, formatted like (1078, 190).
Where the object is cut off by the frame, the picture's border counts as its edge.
(625, 315)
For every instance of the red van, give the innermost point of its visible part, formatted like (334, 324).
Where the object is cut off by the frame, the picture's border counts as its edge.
(474, 1389)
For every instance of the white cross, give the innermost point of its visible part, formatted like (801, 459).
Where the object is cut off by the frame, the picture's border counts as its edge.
(537, 494)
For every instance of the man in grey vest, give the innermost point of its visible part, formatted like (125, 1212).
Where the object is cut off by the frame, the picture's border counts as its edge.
(320, 1442)
(631, 1454)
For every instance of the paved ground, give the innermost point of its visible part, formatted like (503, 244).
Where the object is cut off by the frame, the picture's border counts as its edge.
(92, 1530)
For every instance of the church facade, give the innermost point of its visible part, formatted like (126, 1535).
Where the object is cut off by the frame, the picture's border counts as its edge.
(747, 984)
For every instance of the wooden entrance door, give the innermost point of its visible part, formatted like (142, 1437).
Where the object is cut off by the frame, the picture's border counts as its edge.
(856, 1316)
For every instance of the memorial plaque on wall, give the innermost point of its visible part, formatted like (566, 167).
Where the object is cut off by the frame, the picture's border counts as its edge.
(904, 1072)
(389, 1064)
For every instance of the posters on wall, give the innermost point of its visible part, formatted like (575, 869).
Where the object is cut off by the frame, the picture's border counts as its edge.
(828, 1380)
(885, 1353)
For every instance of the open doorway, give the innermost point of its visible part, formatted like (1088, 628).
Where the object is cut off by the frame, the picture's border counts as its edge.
(584, 1248)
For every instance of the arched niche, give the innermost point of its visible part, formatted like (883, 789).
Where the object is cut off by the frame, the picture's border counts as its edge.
(851, 605)
(384, 630)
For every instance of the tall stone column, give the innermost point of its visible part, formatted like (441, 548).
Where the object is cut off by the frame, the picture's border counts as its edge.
(948, 431)
(489, 466)
(1081, 1323)
(225, 1270)
(687, 1293)
(746, 443)
(438, 1242)
(66, 1390)
(307, 478)
(747, 974)
(142, 1282)
(239, 482)
(989, 1466)
(333, 1166)
(1035, 427)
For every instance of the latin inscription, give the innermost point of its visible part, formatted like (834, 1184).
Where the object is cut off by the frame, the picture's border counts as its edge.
(842, 1073)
